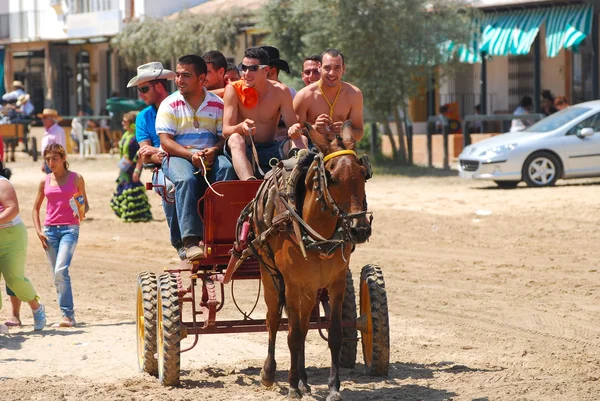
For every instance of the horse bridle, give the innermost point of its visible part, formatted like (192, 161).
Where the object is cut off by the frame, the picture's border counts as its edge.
(324, 196)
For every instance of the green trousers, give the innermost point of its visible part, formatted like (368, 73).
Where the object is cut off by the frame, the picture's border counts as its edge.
(13, 249)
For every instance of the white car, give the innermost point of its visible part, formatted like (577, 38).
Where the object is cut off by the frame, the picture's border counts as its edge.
(563, 145)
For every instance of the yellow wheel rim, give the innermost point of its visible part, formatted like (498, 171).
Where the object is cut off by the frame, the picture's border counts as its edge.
(140, 326)
(160, 341)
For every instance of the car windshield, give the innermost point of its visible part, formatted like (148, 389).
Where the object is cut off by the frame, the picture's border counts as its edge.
(557, 120)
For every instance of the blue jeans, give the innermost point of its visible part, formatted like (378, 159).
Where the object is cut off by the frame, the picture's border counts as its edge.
(62, 241)
(171, 215)
(190, 187)
(162, 186)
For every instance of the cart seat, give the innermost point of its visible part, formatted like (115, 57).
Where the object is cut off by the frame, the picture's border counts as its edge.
(220, 213)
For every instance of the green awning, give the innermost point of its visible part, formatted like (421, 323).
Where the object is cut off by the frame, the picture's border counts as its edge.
(513, 32)
(510, 32)
(566, 27)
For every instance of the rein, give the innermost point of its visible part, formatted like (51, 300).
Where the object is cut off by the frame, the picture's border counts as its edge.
(200, 170)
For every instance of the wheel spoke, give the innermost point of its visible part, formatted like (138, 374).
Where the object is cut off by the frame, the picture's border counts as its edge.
(542, 171)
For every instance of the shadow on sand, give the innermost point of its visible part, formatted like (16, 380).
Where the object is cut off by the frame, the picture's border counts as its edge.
(356, 384)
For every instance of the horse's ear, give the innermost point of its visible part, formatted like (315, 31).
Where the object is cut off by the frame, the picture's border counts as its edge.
(347, 136)
(319, 140)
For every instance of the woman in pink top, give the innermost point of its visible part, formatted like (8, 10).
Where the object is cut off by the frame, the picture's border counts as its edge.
(61, 226)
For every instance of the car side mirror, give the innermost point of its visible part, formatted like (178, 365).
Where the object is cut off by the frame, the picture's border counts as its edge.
(585, 132)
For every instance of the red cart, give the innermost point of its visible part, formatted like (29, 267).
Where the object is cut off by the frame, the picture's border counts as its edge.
(162, 301)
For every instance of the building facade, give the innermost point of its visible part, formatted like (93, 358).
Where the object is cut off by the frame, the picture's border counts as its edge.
(525, 61)
(60, 49)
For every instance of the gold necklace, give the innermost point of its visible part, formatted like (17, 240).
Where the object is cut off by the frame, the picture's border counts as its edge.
(337, 95)
(196, 124)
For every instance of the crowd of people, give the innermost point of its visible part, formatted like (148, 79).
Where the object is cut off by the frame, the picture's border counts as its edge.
(16, 105)
(549, 105)
(224, 122)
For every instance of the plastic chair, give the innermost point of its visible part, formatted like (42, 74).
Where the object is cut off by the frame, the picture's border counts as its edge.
(91, 143)
(88, 140)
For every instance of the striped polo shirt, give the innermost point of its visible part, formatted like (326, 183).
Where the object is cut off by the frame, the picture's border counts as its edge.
(176, 117)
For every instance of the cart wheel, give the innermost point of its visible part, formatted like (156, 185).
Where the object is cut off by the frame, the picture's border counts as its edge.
(146, 323)
(374, 321)
(34, 152)
(348, 352)
(169, 330)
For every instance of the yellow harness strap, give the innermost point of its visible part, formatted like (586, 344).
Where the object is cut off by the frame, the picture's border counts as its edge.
(339, 153)
(331, 105)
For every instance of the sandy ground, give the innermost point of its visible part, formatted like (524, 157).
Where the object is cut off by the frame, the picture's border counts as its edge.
(493, 295)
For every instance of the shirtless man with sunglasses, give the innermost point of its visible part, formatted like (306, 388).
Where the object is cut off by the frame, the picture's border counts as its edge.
(328, 102)
(250, 124)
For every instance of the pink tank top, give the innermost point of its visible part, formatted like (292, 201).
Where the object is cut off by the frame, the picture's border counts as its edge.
(58, 210)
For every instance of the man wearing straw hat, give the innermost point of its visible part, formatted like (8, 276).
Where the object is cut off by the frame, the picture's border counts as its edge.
(53, 133)
(152, 85)
(18, 90)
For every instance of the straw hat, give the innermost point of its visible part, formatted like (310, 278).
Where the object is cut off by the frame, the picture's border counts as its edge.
(22, 99)
(49, 113)
(18, 84)
(150, 72)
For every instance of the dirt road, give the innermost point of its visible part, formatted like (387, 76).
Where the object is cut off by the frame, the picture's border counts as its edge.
(493, 295)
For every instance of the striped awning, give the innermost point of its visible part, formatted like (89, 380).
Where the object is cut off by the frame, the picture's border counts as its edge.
(513, 32)
(566, 27)
(510, 32)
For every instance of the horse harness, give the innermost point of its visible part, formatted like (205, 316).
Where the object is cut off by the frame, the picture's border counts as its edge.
(274, 210)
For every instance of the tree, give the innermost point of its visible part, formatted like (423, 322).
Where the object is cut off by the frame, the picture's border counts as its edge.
(164, 39)
(391, 46)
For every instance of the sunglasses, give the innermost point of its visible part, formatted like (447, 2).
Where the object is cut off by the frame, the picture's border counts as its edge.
(143, 89)
(251, 68)
(314, 71)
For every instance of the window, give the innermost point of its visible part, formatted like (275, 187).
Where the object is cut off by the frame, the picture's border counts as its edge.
(83, 81)
(520, 78)
(557, 120)
(87, 6)
(582, 72)
(592, 122)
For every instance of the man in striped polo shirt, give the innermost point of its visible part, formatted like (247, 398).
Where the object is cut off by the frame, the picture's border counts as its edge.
(189, 123)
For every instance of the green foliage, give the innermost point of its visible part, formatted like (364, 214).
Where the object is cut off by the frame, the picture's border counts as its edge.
(390, 45)
(164, 39)
(285, 20)
(364, 145)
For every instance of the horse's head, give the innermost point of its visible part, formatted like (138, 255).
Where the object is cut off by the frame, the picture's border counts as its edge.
(340, 179)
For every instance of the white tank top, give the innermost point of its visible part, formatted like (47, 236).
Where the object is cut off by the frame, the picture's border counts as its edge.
(16, 220)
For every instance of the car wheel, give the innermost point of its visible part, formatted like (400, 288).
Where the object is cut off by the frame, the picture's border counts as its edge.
(507, 184)
(541, 169)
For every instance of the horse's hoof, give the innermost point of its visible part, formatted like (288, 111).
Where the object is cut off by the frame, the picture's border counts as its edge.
(294, 394)
(304, 387)
(266, 380)
(334, 396)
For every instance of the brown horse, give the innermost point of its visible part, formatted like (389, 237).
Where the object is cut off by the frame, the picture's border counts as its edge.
(334, 208)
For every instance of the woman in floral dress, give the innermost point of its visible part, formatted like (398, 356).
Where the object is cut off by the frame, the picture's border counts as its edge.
(129, 201)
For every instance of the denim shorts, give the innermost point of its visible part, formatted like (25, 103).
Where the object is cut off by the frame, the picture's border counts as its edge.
(266, 151)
